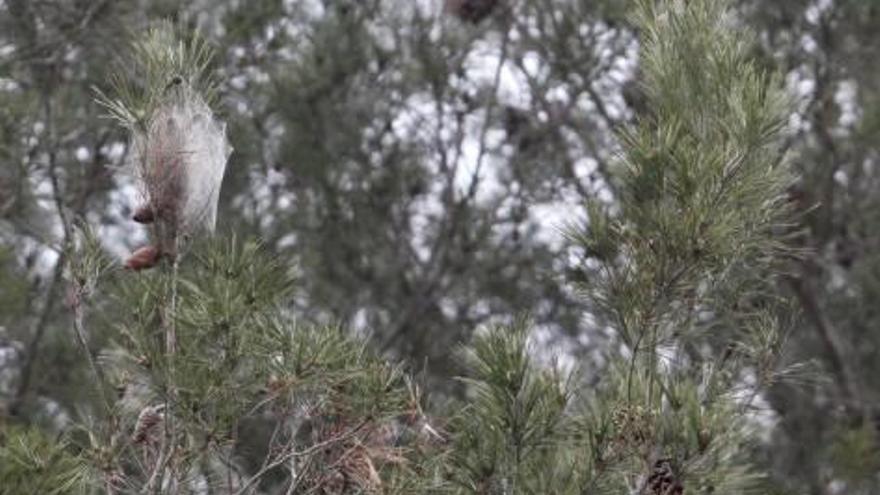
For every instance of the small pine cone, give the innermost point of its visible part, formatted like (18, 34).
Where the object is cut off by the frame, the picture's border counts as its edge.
(633, 425)
(663, 480)
(143, 258)
(144, 214)
(148, 419)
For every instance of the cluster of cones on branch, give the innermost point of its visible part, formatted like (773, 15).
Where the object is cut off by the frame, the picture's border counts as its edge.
(663, 479)
(146, 256)
(163, 183)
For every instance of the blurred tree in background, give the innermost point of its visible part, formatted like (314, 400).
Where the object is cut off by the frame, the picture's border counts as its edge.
(827, 432)
(416, 164)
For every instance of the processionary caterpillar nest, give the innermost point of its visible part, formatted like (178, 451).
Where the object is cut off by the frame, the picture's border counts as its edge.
(179, 156)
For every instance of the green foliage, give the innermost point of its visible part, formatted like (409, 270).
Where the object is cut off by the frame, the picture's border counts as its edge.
(510, 437)
(702, 185)
(161, 62)
(242, 366)
(222, 295)
(17, 199)
(30, 462)
(90, 263)
(855, 453)
(685, 256)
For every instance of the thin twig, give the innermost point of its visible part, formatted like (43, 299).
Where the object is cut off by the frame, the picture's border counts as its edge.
(79, 331)
(834, 348)
(487, 123)
(300, 453)
(170, 323)
(57, 275)
(153, 483)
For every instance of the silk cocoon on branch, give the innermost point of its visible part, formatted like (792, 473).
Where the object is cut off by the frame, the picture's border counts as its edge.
(180, 157)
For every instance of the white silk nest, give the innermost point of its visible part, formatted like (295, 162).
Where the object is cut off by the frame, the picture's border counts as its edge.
(180, 158)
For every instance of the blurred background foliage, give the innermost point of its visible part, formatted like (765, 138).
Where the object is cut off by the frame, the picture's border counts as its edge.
(416, 164)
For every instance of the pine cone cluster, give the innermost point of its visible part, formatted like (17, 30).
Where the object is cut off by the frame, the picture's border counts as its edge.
(146, 426)
(663, 480)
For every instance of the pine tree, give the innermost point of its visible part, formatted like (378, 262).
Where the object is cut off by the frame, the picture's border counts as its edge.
(209, 383)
